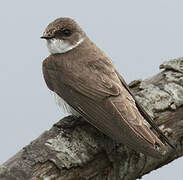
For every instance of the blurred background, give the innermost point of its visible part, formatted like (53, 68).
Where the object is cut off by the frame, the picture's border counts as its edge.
(137, 35)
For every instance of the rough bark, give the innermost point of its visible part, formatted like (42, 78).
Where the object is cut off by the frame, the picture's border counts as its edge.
(72, 149)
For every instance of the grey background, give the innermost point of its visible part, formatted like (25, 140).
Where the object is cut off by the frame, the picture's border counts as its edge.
(137, 35)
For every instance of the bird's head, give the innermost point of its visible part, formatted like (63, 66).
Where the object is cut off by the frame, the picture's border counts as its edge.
(62, 35)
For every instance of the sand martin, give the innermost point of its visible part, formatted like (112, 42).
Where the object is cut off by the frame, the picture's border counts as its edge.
(84, 77)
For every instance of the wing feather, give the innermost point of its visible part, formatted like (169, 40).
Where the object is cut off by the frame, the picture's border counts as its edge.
(146, 116)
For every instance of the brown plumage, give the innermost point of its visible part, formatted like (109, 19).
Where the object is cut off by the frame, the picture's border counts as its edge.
(87, 80)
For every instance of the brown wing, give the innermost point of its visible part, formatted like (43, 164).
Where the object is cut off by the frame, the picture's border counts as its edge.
(98, 95)
(146, 115)
(96, 86)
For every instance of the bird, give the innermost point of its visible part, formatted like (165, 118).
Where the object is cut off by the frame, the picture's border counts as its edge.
(86, 80)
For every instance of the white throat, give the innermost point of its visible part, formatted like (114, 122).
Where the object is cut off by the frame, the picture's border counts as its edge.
(60, 46)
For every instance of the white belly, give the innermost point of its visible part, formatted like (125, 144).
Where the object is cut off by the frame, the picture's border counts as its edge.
(64, 106)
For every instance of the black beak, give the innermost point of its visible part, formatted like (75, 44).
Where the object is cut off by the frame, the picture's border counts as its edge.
(46, 37)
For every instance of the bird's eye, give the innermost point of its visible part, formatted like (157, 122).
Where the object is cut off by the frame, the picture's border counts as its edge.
(67, 32)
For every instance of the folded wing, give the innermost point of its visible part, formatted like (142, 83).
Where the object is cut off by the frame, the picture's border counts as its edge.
(102, 98)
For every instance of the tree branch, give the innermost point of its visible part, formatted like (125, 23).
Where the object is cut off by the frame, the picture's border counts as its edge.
(72, 149)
